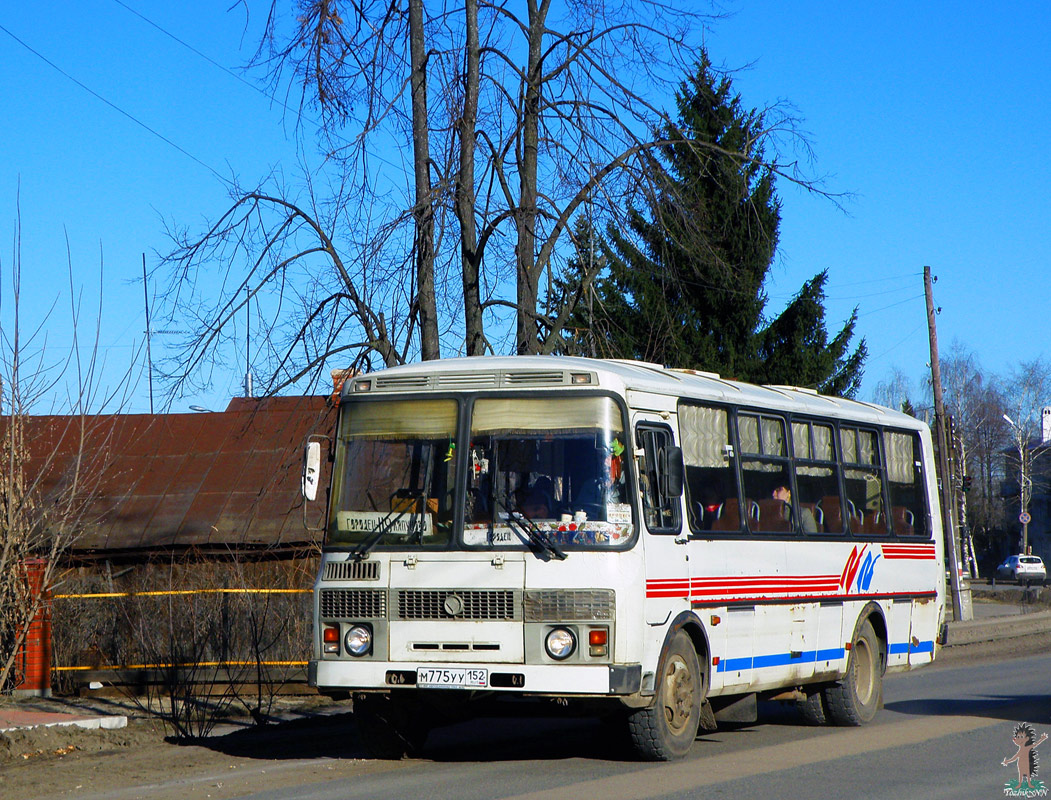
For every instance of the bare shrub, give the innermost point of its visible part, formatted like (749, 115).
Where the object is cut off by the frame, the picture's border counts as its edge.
(49, 465)
(192, 640)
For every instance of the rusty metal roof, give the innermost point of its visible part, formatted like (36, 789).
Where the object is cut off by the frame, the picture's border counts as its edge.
(220, 481)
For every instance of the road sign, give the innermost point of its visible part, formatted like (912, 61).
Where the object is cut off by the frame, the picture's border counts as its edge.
(1024, 518)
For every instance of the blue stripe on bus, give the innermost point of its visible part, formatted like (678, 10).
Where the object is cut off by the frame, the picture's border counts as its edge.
(908, 647)
(810, 656)
(779, 660)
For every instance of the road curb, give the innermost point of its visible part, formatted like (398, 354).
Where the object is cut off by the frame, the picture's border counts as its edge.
(12, 719)
(995, 628)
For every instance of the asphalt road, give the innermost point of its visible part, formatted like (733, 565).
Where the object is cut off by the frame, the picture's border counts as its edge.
(943, 733)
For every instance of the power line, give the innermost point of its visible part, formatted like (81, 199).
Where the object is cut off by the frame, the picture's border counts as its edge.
(253, 86)
(897, 344)
(111, 104)
(884, 279)
(892, 305)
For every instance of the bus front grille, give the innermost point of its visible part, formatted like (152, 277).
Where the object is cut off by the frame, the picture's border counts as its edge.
(353, 604)
(457, 604)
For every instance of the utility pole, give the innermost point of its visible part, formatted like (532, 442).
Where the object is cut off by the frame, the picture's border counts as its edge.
(961, 605)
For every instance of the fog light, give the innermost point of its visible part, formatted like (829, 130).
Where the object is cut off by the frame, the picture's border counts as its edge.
(560, 644)
(358, 640)
(330, 639)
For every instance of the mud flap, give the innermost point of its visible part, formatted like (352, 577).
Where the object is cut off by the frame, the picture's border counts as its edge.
(742, 708)
(707, 719)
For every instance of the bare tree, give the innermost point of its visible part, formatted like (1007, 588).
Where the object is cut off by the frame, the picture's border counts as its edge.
(509, 120)
(1026, 392)
(50, 465)
(896, 391)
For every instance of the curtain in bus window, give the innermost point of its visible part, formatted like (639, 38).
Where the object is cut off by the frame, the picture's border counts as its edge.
(908, 505)
(823, 443)
(415, 419)
(900, 457)
(550, 416)
(705, 434)
(867, 452)
(711, 486)
(801, 440)
(773, 436)
(748, 431)
(849, 442)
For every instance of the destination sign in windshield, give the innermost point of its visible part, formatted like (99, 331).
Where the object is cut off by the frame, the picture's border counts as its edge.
(396, 523)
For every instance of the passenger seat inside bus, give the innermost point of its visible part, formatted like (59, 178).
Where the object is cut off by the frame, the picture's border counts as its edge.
(774, 515)
(729, 515)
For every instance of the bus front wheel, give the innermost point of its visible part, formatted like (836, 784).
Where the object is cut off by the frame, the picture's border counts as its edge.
(856, 698)
(666, 730)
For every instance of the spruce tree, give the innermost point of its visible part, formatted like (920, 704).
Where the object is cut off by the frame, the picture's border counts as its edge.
(684, 283)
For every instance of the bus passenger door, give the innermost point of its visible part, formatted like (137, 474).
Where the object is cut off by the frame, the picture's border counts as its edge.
(667, 568)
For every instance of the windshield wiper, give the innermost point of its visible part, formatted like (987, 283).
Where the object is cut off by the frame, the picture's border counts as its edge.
(532, 534)
(382, 529)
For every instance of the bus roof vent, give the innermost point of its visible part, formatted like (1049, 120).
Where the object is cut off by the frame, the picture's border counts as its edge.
(786, 388)
(548, 378)
(715, 376)
(401, 382)
(466, 380)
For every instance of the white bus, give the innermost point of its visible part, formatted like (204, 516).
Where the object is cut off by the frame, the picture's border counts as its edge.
(668, 542)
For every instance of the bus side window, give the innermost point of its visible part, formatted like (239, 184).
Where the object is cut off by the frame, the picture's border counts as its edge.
(817, 479)
(711, 480)
(765, 473)
(863, 482)
(908, 506)
(661, 513)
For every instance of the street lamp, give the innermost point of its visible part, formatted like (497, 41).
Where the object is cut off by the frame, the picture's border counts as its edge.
(1025, 479)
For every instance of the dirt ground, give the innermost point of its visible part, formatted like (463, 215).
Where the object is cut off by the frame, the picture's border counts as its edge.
(309, 739)
(144, 760)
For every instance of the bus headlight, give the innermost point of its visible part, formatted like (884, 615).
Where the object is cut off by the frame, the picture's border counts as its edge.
(560, 643)
(358, 640)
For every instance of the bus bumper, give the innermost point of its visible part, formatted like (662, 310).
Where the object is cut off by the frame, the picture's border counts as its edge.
(561, 680)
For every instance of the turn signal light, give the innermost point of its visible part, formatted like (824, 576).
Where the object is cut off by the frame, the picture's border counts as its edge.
(330, 639)
(598, 642)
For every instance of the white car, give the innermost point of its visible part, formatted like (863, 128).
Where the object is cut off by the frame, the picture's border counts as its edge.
(1024, 569)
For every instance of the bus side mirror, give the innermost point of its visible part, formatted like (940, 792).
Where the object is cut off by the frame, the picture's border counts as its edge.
(671, 470)
(311, 469)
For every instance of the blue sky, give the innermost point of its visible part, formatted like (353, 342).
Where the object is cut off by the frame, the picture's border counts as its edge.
(934, 116)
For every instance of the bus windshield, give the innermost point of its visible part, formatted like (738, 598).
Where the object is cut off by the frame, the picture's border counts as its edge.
(552, 466)
(395, 474)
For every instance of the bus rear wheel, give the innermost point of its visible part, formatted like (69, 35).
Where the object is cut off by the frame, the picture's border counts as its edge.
(667, 729)
(856, 698)
(814, 709)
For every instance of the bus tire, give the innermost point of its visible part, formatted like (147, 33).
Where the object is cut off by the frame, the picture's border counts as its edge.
(390, 728)
(855, 699)
(666, 730)
(814, 709)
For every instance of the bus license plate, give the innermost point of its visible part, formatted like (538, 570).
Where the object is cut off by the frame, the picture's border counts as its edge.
(444, 678)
